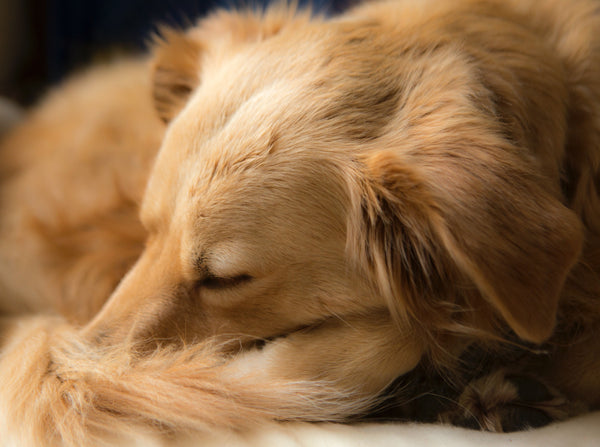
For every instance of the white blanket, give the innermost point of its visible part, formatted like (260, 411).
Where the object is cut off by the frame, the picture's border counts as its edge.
(583, 431)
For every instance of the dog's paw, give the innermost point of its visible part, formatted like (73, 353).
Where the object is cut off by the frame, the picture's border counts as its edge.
(505, 402)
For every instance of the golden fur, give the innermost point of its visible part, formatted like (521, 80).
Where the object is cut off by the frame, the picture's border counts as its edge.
(335, 202)
(72, 176)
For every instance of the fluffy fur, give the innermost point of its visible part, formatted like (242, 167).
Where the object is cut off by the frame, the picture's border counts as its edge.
(72, 177)
(336, 203)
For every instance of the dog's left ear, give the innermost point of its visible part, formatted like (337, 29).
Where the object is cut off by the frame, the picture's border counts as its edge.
(178, 55)
(424, 225)
(176, 71)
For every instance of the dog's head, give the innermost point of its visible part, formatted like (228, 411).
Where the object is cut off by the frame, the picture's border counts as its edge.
(349, 196)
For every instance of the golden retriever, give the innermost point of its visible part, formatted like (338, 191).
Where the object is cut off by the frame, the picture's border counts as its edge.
(336, 203)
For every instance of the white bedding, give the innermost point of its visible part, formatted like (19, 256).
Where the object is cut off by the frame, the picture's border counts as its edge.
(583, 431)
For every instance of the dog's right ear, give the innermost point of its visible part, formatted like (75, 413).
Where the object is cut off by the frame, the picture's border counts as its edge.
(475, 237)
(178, 55)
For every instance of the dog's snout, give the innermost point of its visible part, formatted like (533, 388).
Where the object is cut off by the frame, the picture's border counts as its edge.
(143, 303)
(145, 321)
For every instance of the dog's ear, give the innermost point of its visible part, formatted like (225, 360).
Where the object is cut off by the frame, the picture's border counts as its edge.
(178, 55)
(176, 71)
(427, 229)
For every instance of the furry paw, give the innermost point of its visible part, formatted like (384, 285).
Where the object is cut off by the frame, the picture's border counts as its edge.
(504, 402)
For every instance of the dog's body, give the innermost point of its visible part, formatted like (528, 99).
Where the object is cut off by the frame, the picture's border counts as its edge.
(366, 194)
(72, 178)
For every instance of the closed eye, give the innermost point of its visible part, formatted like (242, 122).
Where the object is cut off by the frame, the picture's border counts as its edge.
(218, 283)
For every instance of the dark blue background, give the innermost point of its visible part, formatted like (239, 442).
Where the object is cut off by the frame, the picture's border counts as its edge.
(67, 34)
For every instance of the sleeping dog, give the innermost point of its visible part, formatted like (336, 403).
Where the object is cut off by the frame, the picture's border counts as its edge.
(339, 202)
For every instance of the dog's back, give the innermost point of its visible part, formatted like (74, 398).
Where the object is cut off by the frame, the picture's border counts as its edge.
(71, 178)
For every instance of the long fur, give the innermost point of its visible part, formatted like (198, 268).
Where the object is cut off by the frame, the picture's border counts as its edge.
(58, 389)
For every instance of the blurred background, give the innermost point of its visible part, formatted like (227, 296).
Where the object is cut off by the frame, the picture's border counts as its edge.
(43, 40)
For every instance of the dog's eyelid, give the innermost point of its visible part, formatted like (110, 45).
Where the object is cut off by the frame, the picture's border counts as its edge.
(213, 282)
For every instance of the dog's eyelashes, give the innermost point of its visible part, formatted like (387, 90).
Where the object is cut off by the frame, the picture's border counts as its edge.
(212, 282)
